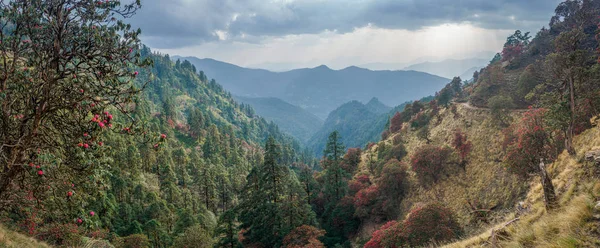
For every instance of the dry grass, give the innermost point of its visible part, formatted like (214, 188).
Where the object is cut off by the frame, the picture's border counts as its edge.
(10, 239)
(486, 181)
(571, 224)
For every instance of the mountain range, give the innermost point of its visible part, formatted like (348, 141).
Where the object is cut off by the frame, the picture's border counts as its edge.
(320, 90)
(451, 67)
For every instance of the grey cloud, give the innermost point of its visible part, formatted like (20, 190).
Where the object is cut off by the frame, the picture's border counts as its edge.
(180, 23)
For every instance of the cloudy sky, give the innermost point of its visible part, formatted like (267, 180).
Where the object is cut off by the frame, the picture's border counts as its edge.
(305, 33)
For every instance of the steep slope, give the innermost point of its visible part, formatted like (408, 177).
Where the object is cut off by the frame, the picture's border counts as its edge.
(178, 171)
(320, 90)
(573, 224)
(483, 181)
(291, 119)
(449, 68)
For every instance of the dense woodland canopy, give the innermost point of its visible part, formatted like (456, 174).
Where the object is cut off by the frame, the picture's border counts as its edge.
(103, 140)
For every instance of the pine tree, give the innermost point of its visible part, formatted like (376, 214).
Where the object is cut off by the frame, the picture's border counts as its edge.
(332, 157)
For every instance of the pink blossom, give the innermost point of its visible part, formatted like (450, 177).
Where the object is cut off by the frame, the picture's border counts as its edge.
(86, 146)
(40, 172)
(101, 124)
(92, 213)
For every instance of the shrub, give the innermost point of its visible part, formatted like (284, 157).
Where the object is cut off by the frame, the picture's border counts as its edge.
(382, 237)
(528, 141)
(430, 223)
(393, 185)
(396, 122)
(462, 145)
(358, 183)
(426, 224)
(304, 236)
(393, 180)
(351, 160)
(428, 162)
(500, 107)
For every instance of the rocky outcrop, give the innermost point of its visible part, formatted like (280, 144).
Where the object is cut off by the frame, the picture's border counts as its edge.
(593, 156)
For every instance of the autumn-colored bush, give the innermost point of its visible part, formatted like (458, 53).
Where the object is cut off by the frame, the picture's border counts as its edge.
(358, 183)
(430, 223)
(381, 237)
(351, 160)
(429, 162)
(424, 225)
(60, 234)
(304, 237)
(396, 122)
(528, 141)
(462, 145)
(365, 200)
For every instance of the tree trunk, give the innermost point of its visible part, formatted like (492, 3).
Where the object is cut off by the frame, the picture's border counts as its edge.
(549, 195)
(569, 138)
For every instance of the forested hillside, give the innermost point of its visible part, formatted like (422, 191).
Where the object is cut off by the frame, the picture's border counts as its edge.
(140, 151)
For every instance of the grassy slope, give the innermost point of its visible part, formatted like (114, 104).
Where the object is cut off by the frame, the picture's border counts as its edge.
(484, 179)
(571, 225)
(577, 187)
(10, 239)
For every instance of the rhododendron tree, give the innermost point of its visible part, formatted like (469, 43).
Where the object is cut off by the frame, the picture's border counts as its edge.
(462, 145)
(430, 223)
(396, 122)
(382, 238)
(528, 141)
(393, 186)
(429, 162)
(64, 64)
(529, 144)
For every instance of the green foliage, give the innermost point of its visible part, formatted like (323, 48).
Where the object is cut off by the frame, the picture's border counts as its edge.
(274, 202)
(500, 107)
(194, 236)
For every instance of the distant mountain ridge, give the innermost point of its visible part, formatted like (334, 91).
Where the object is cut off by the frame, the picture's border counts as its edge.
(449, 68)
(291, 119)
(320, 90)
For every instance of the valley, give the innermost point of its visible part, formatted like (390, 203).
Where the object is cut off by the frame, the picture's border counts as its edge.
(108, 139)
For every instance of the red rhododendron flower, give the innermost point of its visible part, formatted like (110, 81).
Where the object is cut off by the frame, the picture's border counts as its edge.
(70, 193)
(40, 172)
(92, 213)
